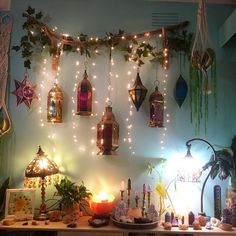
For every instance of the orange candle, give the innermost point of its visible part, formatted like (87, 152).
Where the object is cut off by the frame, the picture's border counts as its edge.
(102, 204)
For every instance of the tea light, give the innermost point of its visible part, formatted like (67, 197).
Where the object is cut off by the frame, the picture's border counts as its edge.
(102, 204)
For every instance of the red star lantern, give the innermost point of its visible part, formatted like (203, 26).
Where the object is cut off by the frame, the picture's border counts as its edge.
(25, 92)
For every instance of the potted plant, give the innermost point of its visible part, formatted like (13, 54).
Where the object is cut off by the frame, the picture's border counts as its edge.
(224, 166)
(72, 198)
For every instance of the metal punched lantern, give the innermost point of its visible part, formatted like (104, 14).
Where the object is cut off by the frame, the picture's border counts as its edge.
(107, 133)
(84, 97)
(54, 106)
(138, 92)
(156, 102)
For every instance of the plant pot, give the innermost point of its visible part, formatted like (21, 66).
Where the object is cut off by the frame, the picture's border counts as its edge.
(71, 214)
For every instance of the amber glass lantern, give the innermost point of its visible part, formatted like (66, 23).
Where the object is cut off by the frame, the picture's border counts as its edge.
(107, 133)
(54, 106)
(84, 97)
(156, 103)
(138, 92)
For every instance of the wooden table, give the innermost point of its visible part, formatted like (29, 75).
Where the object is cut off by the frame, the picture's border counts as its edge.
(83, 229)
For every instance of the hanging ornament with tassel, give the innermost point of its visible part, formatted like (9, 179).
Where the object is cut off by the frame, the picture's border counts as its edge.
(181, 87)
(138, 92)
(108, 127)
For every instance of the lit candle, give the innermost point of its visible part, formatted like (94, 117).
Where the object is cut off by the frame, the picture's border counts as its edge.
(144, 188)
(122, 185)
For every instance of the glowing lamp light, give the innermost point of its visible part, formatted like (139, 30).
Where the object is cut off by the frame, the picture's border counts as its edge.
(41, 166)
(190, 171)
(103, 204)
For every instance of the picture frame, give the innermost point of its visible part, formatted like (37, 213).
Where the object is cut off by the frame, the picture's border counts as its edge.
(20, 203)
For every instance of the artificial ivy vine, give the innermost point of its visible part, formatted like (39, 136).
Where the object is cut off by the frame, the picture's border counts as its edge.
(40, 37)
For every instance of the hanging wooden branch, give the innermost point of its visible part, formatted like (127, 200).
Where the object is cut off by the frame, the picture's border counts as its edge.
(39, 35)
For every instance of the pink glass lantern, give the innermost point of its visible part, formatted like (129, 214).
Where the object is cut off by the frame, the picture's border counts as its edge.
(107, 133)
(156, 102)
(84, 97)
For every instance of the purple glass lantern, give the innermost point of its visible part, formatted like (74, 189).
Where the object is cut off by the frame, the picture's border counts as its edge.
(107, 133)
(156, 101)
(84, 97)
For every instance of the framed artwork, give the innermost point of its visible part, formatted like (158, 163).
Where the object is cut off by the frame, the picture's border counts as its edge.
(20, 203)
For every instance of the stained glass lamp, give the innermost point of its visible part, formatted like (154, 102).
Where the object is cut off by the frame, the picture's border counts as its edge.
(41, 166)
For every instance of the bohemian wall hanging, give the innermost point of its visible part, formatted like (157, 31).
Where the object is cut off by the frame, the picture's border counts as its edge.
(202, 60)
(5, 34)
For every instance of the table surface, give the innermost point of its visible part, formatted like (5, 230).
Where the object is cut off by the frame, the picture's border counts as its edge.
(83, 226)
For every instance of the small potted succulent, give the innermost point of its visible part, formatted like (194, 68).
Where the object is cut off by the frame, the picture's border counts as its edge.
(72, 198)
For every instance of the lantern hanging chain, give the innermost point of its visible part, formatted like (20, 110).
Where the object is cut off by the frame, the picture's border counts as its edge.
(156, 81)
(109, 76)
(180, 63)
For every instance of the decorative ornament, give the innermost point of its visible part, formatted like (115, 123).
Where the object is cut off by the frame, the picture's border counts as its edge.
(156, 103)
(84, 97)
(180, 91)
(181, 87)
(25, 92)
(107, 133)
(138, 92)
(54, 104)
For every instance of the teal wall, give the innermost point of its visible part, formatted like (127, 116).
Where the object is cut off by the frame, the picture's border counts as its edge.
(75, 159)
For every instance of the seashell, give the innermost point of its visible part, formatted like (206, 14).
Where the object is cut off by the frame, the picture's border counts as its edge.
(215, 222)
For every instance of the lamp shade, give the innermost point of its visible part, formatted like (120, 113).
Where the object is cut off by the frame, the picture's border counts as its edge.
(41, 166)
(189, 169)
(138, 92)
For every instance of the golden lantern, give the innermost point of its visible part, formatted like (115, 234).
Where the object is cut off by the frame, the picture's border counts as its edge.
(138, 92)
(54, 105)
(107, 133)
(84, 97)
(156, 103)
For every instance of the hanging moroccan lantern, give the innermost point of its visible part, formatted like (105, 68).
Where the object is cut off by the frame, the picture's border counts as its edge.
(84, 97)
(156, 101)
(54, 106)
(138, 92)
(107, 133)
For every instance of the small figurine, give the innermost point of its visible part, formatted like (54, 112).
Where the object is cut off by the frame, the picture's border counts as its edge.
(152, 213)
